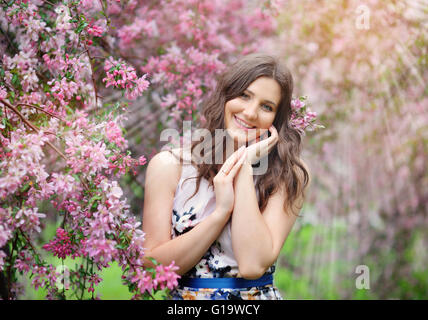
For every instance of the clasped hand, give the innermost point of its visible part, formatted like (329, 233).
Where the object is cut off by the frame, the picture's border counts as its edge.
(261, 146)
(224, 180)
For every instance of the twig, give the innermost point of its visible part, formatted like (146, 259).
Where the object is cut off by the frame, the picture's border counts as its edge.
(129, 262)
(92, 74)
(8, 39)
(41, 109)
(9, 270)
(28, 240)
(37, 130)
(84, 278)
(28, 123)
(48, 2)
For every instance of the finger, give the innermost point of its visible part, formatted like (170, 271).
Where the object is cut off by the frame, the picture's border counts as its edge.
(252, 134)
(263, 135)
(274, 134)
(263, 148)
(259, 134)
(238, 164)
(273, 131)
(260, 148)
(230, 162)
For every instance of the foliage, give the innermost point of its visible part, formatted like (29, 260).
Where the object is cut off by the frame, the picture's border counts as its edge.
(365, 67)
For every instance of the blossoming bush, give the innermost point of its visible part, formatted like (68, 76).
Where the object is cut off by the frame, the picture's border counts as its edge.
(62, 141)
(370, 163)
(53, 151)
(63, 148)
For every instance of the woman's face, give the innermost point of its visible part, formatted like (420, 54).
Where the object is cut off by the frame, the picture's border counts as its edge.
(253, 112)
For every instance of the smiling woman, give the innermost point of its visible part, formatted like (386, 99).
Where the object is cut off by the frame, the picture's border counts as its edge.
(255, 109)
(227, 235)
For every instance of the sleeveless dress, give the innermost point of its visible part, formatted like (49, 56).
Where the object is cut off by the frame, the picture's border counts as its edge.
(219, 261)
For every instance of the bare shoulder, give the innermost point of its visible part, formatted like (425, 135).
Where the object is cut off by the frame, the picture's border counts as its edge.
(164, 168)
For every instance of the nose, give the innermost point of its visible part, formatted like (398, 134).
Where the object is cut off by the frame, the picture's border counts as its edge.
(250, 111)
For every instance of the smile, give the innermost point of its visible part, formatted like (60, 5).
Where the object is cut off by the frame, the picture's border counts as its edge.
(240, 123)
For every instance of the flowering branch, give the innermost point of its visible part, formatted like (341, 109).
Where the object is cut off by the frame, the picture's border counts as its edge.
(33, 127)
(41, 109)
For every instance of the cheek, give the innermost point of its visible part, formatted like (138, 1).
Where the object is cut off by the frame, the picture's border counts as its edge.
(231, 106)
(230, 109)
(267, 121)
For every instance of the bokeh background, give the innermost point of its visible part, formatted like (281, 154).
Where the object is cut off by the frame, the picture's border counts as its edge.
(363, 66)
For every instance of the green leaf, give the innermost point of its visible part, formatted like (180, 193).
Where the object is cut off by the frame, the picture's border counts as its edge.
(121, 246)
(81, 26)
(25, 187)
(152, 260)
(15, 80)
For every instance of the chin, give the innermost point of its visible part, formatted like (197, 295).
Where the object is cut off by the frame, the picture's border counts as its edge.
(242, 136)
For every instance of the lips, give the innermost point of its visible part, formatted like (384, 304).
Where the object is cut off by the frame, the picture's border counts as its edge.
(240, 123)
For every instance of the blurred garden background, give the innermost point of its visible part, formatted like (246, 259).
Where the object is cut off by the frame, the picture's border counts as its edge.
(363, 66)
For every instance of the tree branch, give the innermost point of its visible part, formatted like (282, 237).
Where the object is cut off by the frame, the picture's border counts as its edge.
(32, 126)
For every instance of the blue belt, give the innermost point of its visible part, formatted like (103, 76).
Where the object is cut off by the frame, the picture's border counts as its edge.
(222, 283)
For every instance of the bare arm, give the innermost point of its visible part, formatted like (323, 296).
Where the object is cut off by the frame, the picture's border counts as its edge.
(186, 250)
(257, 238)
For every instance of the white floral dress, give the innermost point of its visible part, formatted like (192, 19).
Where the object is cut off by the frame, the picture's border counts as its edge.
(219, 261)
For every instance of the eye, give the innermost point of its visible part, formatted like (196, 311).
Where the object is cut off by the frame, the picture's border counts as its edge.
(244, 95)
(267, 107)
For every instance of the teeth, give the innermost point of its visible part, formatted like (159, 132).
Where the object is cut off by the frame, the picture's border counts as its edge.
(243, 124)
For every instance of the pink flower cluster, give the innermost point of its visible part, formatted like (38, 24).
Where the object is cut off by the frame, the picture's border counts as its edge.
(183, 73)
(43, 276)
(62, 246)
(114, 135)
(120, 75)
(166, 277)
(61, 141)
(95, 30)
(184, 63)
(302, 118)
(94, 280)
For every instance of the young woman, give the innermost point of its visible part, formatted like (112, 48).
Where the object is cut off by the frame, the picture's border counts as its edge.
(222, 224)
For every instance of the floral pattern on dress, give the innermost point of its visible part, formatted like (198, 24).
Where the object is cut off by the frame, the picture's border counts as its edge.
(268, 292)
(218, 261)
(211, 265)
(183, 223)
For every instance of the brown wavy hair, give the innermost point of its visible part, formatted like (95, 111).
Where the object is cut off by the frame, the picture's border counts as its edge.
(285, 168)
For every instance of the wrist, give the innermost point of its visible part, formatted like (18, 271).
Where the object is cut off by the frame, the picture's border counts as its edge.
(246, 168)
(220, 215)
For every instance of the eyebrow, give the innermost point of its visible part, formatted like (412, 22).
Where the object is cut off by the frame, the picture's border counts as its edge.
(268, 101)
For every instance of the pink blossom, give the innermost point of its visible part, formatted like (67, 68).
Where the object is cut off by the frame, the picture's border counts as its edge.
(141, 85)
(166, 276)
(114, 134)
(123, 76)
(143, 279)
(95, 30)
(61, 246)
(102, 251)
(5, 232)
(140, 28)
(142, 160)
(94, 280)
(2, 256)
(3, 92)
(296, 104)
(24, 263)
(29, 219)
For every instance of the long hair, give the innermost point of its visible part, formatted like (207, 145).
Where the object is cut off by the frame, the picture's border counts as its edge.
(286, 170)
